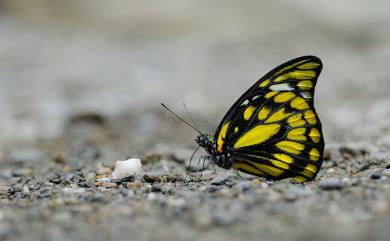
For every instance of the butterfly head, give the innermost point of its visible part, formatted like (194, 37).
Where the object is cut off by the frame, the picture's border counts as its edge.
(204, 140)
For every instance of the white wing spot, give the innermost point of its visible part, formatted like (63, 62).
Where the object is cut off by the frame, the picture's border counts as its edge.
(245, 102)
(281, 87)
(306, 95)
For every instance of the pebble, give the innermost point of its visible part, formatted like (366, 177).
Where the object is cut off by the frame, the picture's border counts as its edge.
(376, 175)
(219, 180)
(296, 192)
(211, 188)
(156, 187)
(151, 178)
(104, 179)
(243, 186)
(176, 202)
(133, 185)
(386, 172)
(229, 216)
(26, 190)
(106, 184)
(331, 184)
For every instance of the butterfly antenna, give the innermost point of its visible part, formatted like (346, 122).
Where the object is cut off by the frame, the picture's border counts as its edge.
(190, 116)
(177, 116)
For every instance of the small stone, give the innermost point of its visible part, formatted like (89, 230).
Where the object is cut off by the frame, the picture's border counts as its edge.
(104, 179)
(68, 177)
(229, 216)
(296, 192)
(26, 190)
(133, 185)
(331, 184)
(211, 188)
(156, 188)
(330, 170)
(376, 175)
(127, 168)
(106, 184)
(151, 178)
(386, 172)
(171, 178)
(243, 186)
(219, 180)
(127, 179)
(152, 196)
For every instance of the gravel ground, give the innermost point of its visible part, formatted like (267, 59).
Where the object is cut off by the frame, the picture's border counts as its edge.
(71, 196)
(80, 87)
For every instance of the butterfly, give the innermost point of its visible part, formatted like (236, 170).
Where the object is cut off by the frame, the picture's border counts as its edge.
(273, 130)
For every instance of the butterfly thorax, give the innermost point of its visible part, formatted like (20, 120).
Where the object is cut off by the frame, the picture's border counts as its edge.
(208, 142)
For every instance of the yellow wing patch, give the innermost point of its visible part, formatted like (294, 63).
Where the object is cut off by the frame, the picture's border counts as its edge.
(222, 136)
(249, 112)
(263, 113)
(290, 67)
(299, 103)
(297, 134)
(305, 85)
(315, 135)
(278, 115)
(273, 171)
(283, 157)
(284, 97)
(310, 170)
(248, 168)
(280, 164)
(264, 83)
(290, 146)
(309, 65)
(270, 94)
(297, 74)
(314, 154)
(300, 179)
(257, 135)
(296, 120)
(310, 117)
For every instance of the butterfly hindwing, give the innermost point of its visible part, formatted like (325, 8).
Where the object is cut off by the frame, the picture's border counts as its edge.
(273, 130)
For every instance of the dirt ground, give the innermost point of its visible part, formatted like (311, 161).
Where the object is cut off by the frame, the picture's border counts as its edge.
(81, 86)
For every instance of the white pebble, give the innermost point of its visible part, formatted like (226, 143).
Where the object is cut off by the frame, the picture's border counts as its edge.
(126, 168)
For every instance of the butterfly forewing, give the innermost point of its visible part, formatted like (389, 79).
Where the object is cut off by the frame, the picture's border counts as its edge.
(273, 130)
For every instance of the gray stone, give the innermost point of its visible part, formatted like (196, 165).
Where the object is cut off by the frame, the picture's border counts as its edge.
(331, 184)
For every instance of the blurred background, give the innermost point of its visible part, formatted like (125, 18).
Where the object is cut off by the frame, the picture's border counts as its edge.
(81, 84)
(119, 59)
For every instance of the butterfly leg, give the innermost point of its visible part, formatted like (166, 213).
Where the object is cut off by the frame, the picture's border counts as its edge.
(212, 164)
(204, 160)
(189, 166)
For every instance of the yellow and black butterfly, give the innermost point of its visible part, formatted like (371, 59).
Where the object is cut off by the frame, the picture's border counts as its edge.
(273, 130)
